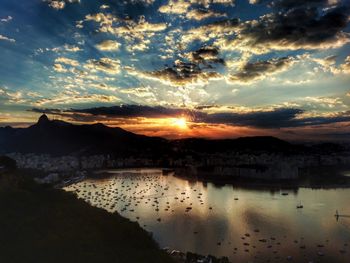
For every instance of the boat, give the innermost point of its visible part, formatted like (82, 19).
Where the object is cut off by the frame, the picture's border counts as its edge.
(300, 206)
(336, 214)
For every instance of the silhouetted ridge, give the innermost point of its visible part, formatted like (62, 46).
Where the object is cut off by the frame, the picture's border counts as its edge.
(43, 120)
(62, 138)
(257, 143)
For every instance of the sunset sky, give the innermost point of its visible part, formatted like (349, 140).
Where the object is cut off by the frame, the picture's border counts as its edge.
(185, 68)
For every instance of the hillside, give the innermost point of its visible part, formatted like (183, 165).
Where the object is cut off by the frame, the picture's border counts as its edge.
(42, 224)
(61, 138)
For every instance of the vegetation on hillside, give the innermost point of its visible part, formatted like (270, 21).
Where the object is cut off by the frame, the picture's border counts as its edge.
(41, 224)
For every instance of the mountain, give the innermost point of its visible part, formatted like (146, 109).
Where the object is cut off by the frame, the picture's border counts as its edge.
(62, 138)
(243, 144)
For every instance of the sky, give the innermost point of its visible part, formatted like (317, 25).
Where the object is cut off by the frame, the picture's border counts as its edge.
(180, 68)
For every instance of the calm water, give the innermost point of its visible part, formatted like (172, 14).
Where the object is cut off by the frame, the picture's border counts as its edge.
(256, 227)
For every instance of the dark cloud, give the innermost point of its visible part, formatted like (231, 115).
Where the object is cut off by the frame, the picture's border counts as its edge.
(125, 111)
(200, 66)
(292, 29)
(183, 73)
(201, 13)
(288, 4)
(264, 119)
(260, 69)
(277, 118)
(340, 117)
(47, 111)
(207, 55)
(122, 111)
(273, 119)
(227, 23)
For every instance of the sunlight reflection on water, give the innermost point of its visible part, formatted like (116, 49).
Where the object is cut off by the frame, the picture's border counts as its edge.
(201, 217)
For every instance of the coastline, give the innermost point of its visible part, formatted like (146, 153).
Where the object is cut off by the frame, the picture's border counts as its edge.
(313, 182)
(262, 184)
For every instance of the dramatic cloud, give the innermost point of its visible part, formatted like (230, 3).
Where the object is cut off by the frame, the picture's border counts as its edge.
(300, 28)
(272, 119)
(175, 7)
(202, 65)
(207, 3)
(145, 95)
(67, 61)
(7, 38)
(59, 68)
(282, 60)
(345, 67)
(69, 48)
(104, 20)
(145, 2)
(6, 19)
(135, 111)
(135, 33)
(114, 25)
(182, 74)
(206, 55)
(253, 71)
(326, 62)
(265, 119)
(289, 4)
(67, 97)
(108, 45)
(199, 14)
(64, 48)
(321, 103)
(11, 97)
(214, 30)
(60, 4)
(201, 11)
(106, 65)
(329, 64)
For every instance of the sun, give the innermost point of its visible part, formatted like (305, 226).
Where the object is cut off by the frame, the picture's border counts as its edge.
(180, 123)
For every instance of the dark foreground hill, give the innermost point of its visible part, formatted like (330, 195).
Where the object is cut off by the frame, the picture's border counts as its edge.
(42, 224)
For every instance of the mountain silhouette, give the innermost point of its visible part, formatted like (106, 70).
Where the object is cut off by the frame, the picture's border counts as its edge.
(57, 137)
(243, 144)
(61, 138)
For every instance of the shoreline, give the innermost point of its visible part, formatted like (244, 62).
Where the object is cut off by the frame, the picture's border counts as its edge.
(327, 182)
(281, 185)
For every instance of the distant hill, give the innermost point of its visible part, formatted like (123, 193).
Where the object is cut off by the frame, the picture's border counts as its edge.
(243, 144)
(61, 138)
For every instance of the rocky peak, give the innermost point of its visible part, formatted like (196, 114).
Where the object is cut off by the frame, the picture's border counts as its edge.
(43, 119)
